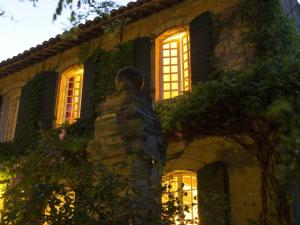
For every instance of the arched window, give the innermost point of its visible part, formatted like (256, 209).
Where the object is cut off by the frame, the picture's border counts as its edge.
(173, 70)
(9, 109)
(182, 185)
(12, 117)
(69, 95)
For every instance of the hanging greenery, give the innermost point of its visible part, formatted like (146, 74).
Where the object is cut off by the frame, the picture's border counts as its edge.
(55, 183)
(108, 64)
(257, 107)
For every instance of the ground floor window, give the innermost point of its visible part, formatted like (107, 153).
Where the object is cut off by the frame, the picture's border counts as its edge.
(182, 185)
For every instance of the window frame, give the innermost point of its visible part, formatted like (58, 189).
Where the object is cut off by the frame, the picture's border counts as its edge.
(181, 192)
(12, 117)
(62, 94)
(158, 77)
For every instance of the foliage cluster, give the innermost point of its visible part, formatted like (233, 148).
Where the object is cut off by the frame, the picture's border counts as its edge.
(46, 179)
(257, 107)
(109, 63)
(260, 103)
(54, 182)
(28, 135)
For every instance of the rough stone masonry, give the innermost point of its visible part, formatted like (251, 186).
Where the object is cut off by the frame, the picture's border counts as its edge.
(128, 142)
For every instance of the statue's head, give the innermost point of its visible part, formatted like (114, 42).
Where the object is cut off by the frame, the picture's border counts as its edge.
(129, 78)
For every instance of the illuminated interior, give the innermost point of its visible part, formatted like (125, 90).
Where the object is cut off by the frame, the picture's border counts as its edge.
(61, 202)
(4, 177)
(70, 92)
(182, 185)
(12, 117)
(174, 64)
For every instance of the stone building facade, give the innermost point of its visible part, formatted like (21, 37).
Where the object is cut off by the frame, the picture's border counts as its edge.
(173, 48)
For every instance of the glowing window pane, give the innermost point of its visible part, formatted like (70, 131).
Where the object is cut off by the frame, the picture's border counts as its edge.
(187, 181)
(174, 93)
(185, 65)
(175, 86)
(174, 69)
(187, 195)
(174, 61)
(173, 52)
(58, 202)
(166, 61)
(167, 86)
(167, 95)
(174, 77)
(166, 69)
(166, 53)
(166, 46)
(186, 74)
(185, 57)
(174, 45)
(166, 77)
(70, 92)
(185, 48)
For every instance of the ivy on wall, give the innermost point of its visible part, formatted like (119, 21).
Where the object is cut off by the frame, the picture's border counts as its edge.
(257, 107)
(58, 166)
(27, 137)
(260, 102)
(108, 64)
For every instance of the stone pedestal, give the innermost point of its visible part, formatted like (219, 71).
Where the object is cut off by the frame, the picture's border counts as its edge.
(127, 141)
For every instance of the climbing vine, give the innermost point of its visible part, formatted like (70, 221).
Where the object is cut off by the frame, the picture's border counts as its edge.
(258, 107)
(108, 64)
(55, 182)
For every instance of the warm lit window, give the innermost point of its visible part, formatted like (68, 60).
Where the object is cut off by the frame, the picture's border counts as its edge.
(63, 204)
(182, 185)
(69, 99)
(12, 117)
(173, 64)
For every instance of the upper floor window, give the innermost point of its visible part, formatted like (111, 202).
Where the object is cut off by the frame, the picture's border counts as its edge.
(182, 185)
(69, 95)
(173, 70)
(12, 117)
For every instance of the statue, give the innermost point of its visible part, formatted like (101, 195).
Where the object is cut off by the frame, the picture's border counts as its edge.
(127, 141)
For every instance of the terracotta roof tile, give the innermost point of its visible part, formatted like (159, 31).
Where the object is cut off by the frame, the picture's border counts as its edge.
(89, 30)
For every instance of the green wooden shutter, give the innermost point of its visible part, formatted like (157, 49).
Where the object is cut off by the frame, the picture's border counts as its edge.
(295, 192)
(30, 99)
(49, 98)
(87, 100)
(201, 47)
(37, 103)
(213, 194)
(142, 47)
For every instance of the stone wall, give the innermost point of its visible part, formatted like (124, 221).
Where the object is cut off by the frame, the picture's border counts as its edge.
(178, 15)
(244, 174)
(231, 53)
